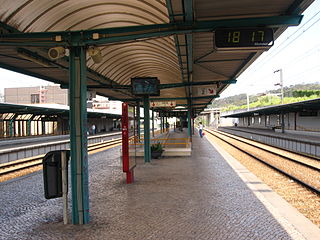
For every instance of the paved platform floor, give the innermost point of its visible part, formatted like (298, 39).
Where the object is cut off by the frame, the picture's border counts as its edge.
(199, 197)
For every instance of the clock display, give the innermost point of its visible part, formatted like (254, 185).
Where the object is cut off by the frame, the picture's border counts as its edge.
(243, 38)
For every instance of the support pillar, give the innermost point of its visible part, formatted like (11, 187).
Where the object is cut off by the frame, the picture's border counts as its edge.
(43, 127)
(78, 135)
(147, 149)
(29, 127)
(138, 121)
(192, 126)
(189, 125)
(152, 122)
(163, 125)
(282, 122)
(11, 131)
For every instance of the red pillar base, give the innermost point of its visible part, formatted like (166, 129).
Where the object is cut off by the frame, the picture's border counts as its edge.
(130, 176)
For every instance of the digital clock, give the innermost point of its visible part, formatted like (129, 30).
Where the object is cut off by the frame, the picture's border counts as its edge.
(145, 86)
(243, 38)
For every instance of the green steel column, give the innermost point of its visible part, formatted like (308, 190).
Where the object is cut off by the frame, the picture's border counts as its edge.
(29, 127)
(152, 122)
(78, 135)
(43, 127)
(147, 149)
(161, 125)
(189, 120)
(189, 124)
(11, 127)
(282, 122)
(138, 120)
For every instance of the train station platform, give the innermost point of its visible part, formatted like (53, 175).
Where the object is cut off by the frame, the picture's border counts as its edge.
(206, 196)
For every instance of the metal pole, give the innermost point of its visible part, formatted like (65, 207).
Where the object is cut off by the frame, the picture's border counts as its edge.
(248, 103)
(138, 120)
(281, 84)
(189, 120)
(282, 122)
(64, 164)
(152, 122)
(147, 149)
(78, 136)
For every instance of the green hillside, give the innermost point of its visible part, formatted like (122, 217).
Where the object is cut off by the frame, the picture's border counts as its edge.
(295, 93)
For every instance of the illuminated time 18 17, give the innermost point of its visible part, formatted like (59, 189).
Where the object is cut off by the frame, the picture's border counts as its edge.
(243, 38)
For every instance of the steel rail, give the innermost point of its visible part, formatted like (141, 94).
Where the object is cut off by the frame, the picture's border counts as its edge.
(38, 159)
(269, 151)
(308, 186)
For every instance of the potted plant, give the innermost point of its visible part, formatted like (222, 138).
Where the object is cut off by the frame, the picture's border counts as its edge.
(156, 150)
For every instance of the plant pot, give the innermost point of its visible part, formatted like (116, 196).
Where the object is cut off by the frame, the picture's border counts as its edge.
(156, 154)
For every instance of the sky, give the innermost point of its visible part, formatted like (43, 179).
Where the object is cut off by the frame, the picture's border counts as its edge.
(296, 52)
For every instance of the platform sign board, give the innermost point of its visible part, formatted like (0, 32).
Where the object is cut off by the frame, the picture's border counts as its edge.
(154, 104)
(206, 91)
(128, 143)
(145, 86)
(176, 114)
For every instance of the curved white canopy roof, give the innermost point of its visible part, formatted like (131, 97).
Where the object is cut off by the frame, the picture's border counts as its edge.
(183, 58)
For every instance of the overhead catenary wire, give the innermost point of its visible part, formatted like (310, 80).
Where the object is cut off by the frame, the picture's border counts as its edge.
(274, 51)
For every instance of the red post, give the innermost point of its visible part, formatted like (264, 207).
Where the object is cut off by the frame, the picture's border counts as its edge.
(125, 144)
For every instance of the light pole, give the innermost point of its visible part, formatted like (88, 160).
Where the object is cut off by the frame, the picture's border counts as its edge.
(281, 83)
(248, 103)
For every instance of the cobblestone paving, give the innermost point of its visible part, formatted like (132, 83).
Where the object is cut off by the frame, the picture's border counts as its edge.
(174, 198)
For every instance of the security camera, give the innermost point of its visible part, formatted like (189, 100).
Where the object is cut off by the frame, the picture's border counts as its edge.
(95, 54)
(56, 53)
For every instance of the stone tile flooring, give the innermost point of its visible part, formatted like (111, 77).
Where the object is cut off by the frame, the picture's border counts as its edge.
(197, 197)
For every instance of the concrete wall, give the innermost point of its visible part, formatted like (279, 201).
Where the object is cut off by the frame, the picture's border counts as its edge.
(305, 123)
(47, 94)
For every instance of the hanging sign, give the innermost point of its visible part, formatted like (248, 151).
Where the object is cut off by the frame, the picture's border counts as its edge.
(173, 114)
(145, 86)
(206, 91)
(163, 104)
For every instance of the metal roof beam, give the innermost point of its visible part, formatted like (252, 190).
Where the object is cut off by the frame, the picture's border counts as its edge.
(169, 99)
(122, 34)
(163, 86)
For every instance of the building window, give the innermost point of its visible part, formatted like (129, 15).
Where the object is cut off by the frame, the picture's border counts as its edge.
(35, 98)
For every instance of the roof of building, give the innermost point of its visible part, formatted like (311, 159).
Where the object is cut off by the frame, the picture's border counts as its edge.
(170, 40)
(307, 105)
(9, 110)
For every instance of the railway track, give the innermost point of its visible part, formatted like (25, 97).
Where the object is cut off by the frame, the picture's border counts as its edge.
(28, 163)
(300, 169)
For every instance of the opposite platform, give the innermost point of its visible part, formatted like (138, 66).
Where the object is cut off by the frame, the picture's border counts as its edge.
(197, 197)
